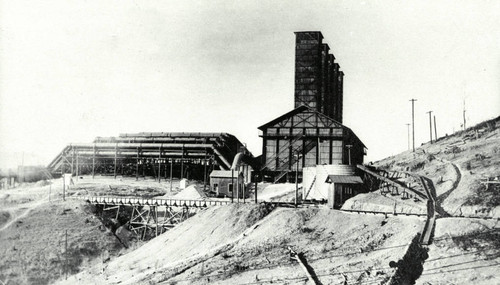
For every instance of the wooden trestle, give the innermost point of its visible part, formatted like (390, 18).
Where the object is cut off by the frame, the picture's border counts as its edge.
(153, 215)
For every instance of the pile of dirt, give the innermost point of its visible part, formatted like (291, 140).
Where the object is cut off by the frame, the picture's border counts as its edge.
(238, 244)
(191, 193)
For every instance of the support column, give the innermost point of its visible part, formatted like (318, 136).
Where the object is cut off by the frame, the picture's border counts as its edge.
(93, 162)
(182, 163)
(63, 178)
(72, 160)
(205, 172)
(77, 167)
(116, 156)
(144, 168)
(137, 166)
(159, 165)
(171, 166)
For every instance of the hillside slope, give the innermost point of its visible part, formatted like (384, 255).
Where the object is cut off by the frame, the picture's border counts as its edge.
(34, 230)
(457, 165)
(239, 244)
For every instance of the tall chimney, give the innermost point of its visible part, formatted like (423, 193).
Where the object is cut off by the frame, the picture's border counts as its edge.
(308, 48)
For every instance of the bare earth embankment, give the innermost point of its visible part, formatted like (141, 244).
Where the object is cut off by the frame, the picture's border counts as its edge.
(243, 244)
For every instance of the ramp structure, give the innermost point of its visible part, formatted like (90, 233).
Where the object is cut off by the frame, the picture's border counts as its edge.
(183, 155)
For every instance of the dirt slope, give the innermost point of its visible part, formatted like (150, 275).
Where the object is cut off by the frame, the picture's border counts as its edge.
(464, 251)
(33, 246)
(236, 244)
(457, 164)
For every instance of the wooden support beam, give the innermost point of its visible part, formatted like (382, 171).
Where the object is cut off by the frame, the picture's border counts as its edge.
(182, 163)
(137, 166)
(77, 167)
(93, 162)
(116, 155)
(171, 168)
(159, 164)
(205, 172)
(72, 160)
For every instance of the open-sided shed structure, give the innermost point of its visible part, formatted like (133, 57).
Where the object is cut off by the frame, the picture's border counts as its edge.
(183, 155)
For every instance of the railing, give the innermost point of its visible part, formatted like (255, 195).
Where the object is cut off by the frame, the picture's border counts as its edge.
(152, 202)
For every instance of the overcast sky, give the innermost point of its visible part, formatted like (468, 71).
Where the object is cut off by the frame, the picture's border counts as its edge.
(74, 70)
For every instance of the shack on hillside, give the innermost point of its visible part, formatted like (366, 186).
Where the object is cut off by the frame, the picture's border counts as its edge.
(224, 182)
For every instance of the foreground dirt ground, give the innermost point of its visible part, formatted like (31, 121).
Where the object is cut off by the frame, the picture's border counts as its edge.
(240, 244)
(43, 240)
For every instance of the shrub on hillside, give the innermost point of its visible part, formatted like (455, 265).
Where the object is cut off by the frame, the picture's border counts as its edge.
(483, 196)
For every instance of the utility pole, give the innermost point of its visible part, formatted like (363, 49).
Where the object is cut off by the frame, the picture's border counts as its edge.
(408, 128)
(430, 124)
(297, 180)
(66, 255)
(435, 129)
(413, 121)
(464, 116)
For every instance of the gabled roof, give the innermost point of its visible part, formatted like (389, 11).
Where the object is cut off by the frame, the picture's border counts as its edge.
(304, 108)
(293, 112)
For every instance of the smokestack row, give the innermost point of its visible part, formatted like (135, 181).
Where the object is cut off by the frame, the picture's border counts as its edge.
(318, 79)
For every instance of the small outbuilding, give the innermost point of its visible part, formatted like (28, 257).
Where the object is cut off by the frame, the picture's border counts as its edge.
(341, 188)
(225, 183)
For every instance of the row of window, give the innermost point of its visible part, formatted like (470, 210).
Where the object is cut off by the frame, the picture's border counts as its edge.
(306, 131)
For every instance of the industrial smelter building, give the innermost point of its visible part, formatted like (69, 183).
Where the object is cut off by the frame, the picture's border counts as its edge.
(312, 134)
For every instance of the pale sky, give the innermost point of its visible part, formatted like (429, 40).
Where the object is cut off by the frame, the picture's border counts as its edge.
(74, 70)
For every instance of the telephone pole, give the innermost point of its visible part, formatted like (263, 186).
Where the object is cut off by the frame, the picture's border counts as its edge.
(430, 124)
(408, 127)
(435, 130)
(413, 121)
(464, 116)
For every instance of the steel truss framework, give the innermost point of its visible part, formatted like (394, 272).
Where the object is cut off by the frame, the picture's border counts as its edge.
(183, 155)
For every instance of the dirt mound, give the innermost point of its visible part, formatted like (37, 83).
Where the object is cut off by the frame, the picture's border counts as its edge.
(238, 244)
(191, 193)
(194, 239)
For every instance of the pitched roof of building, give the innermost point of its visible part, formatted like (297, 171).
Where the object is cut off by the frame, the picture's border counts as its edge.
(344, 179)
(224, 173)
(304, 108)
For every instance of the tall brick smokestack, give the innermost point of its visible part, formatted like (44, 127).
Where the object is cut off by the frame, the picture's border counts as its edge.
(308, 69)
(318, 79)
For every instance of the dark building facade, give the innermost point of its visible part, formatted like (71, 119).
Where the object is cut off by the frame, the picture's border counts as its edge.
(318, 79)
(312, 133)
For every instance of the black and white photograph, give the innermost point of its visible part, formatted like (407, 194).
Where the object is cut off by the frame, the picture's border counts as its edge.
(249, 142)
